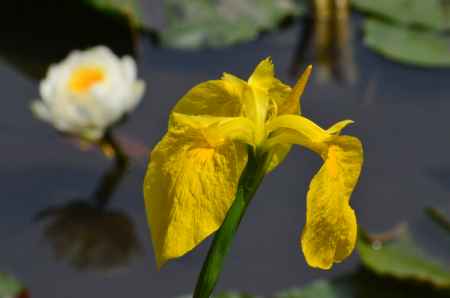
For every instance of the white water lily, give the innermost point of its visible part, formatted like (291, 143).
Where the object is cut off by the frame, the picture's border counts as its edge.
(88, 92)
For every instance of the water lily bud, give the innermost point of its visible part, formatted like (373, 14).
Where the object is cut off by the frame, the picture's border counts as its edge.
(89, 91)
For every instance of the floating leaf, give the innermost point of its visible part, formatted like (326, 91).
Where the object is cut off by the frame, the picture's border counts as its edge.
(317, 289)
(363, 284)
(141, 14)
(10, 287)
(36, 47)
(439, 217)
(420, 48)
(432, 14)
(401, 258)
(194, 23)
(200, 23)
(234, 295)
(226, 295)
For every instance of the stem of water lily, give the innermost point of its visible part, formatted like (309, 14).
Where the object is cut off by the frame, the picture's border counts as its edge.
(249, 182)
(111, 179)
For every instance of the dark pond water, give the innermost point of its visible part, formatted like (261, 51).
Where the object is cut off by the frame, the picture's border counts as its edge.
(401, 115)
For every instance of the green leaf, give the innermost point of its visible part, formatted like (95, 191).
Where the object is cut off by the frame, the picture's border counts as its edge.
(432, 14)
(439, 217)
(402, 259)
(230, 294)
(9, 286)
(203, 23)
(363, 284)
(140, 13)
(194, 23)
(420, 48)
(36, 47)
(317, 289)
(233, 295)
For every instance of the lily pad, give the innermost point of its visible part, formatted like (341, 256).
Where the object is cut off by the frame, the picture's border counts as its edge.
(230, 294)
(317, 289)
(432, 14)
(193, 23)
(10, 287)
(200, 23)
(363, 284)
(403, 259)
(406, 45)
(142, 14)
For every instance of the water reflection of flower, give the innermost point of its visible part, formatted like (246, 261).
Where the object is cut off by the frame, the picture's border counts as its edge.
(89, 235)
(327, 34)
(88, 92)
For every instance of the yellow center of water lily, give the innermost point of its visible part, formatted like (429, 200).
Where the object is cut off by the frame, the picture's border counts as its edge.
(195, 169)
(83, 78)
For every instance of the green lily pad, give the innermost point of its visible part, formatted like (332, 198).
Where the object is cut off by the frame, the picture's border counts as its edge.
(194, 23)
(432, 14)
(9, 286)
(202, 23)
(439, 217)
(406, 45)
(403, 259)
(141, 14)
(230, 294)
(317, 289)
(363, 284)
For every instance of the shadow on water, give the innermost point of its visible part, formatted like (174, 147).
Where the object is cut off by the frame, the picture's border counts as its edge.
(86, 232)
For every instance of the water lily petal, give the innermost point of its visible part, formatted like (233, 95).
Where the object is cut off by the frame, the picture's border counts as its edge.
(190, 184)
(330, 232)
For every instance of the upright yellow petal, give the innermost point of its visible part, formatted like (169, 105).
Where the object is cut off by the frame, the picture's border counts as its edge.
(288, 102)
(330, 232)
(292, 105)
(263, 75)
(215, 98)
(189, 186)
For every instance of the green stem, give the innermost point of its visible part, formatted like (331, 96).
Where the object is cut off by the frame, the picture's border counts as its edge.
(439, 218)
(111, 179)
(250, 179)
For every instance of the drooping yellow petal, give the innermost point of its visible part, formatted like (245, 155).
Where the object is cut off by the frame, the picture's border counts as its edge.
(190, 184)
(330, 231)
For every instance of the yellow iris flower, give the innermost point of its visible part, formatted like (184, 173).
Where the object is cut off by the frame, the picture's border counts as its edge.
(194, 170)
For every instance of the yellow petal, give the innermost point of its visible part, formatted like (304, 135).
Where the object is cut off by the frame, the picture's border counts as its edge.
(330, 232)
(189, 186)
(215, 98)
(338, 127)
(295, 129)
(288, 102)
(292, 105)
(263, 75)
